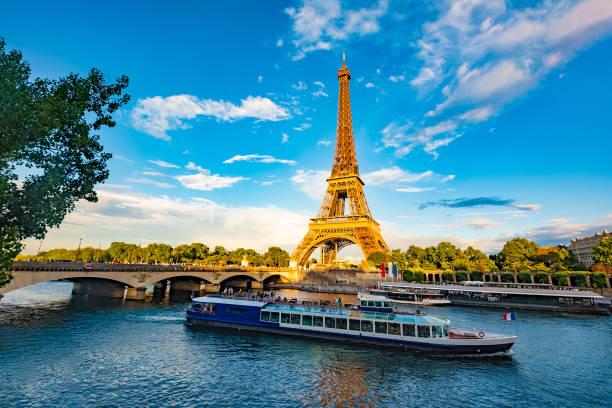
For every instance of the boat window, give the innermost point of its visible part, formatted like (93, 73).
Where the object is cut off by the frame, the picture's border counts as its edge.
(265, 316)
(366, 326)
(317, 321)
(340, 323)
(408, 330)
(196, 307)
(371, 303)
(235, 309)
(394, 328)
(363, 303)
(330, 322)
(354, 324)
(445, 330)
(377, 304)
(423, 331)
(295, 318)
(274, 317)
(387, 304)
(306, 320)
(436, 331)
(285, 318)
(381, 327)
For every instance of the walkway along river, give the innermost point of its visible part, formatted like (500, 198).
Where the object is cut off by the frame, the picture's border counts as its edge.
(58, 351)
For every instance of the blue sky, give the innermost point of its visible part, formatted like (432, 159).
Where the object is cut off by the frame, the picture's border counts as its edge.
(475, 121)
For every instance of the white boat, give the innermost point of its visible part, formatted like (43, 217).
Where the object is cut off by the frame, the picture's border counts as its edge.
(413, 297)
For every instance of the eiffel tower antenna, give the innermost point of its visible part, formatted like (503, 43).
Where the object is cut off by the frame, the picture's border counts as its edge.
(335, 227)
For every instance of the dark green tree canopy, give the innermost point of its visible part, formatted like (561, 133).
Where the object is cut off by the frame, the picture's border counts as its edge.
(49, 156)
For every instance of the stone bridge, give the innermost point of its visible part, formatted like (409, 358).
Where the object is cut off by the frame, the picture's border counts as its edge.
(106, 279)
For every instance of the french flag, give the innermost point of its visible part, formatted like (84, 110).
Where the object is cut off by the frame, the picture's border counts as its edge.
(510, 316)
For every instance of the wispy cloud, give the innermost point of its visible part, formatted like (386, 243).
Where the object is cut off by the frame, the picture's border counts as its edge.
(153, 173)
(285, 138)
(396, 78)
(321, 90)
(260, 158)
(323, 142)
(311, 182)
(162, 163)
(404, 138)
(302, 127)
(204, 180)
(300, 86)
(125, 159)
(394, 175)
(156, 116)
(149, 181)
(369, 85)
(413, 189)
(320, 24)
(479, 202)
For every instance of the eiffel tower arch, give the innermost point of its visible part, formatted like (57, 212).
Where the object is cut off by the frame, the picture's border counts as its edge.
(337, 226)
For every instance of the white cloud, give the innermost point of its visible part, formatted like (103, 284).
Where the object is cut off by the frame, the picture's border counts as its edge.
(321, 90)
(302, 127)
(311, 182)
(142, 218)
(425, 75)
(155, 116)
(478, 114)
(259, 158)
(162, 163)
(323, 143)
(279, 42)
(404, 139)
(319, 24)
(153, 173)
(300, 86)
(204, 180)
(527, 207)
(394, 175)
(396, 78)
(369, 85)
(285, 138)
(413, 189)
(260, 79)
(481, 223)
(125, 159)
(149, 181)
(450, 177)
(319, 83)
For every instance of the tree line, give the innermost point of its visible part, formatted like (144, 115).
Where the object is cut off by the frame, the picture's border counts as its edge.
(517, 255)
(195, 253)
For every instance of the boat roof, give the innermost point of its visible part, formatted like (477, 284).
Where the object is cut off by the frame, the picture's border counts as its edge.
(391, 317)
(229, 301)
(494, 290)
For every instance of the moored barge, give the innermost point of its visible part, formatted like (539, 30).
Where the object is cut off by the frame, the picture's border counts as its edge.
(417, 331)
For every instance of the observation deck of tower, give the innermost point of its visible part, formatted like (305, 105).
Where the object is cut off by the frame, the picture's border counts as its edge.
(334, 228)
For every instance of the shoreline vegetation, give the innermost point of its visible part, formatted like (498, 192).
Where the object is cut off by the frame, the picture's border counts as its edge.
(518, 255)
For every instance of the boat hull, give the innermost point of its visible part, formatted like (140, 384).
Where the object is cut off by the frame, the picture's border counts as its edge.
(453, 349)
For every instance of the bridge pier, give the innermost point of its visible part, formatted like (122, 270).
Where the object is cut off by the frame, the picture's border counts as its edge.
(98, 287)
(136, 293)
(212, 287)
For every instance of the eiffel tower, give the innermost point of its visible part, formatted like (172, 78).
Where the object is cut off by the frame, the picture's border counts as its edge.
(333, 228)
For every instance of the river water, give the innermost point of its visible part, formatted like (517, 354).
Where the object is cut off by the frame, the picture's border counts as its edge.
(57, 351)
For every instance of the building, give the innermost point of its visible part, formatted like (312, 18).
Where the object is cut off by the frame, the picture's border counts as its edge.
(583, 247)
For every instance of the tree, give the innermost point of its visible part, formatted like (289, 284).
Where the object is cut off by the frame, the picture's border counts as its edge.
(399, 258)
(517, 254)
(376, 258)
(415, 256)
(276, 257)
(602, 252)
(45, 128)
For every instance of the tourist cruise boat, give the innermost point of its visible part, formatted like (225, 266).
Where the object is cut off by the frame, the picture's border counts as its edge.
(418, 331)
(401, 297)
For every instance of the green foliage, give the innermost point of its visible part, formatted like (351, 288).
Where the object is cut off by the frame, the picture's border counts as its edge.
(377, 258)
(602, 253)
(46, 132)
(517, 254)
(599, 279)
(507, 277)
(560, 278)
(461, 276)
(447, 276)
(541, 277)
(524, 277)
(419, 276)
(476, 275)
(580, 278)
(399, 258)
(408, 275)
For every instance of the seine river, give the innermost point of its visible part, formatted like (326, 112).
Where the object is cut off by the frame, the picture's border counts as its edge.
(59, 352)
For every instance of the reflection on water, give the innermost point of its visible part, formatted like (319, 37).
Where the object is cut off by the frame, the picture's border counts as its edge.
(60, 351)
(344, 384)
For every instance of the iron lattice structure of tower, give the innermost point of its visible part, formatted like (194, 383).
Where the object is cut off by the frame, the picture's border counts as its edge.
(333, 228)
